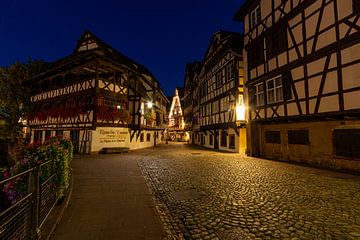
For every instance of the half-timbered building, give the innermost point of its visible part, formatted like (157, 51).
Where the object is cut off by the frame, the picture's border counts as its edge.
(220, 94)
(99, 98)
(188, 102)
(176, 123)
(302, 74)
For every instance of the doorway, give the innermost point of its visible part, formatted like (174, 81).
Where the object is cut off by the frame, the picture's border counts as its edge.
(216, 140)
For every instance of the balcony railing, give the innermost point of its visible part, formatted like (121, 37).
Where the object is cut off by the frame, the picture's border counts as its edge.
(29, 207)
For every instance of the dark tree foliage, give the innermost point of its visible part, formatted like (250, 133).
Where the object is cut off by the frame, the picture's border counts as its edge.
(14, 96)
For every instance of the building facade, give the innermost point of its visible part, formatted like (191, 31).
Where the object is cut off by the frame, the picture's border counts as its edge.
(218, 101)
(98, 98)
(302, 75)
(176, 123)
(189, 101)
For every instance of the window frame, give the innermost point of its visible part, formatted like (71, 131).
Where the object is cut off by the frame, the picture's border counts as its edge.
(224, 104)
(148, 137)
(270, 138)
(258, 94)
(347, 148)
(232, 146)
(296, 140)
(218, 77)
(257, 17)
(230, 72)
(274, 90)
(215, 107)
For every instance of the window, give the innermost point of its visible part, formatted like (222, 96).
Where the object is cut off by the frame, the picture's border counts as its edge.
(255, 17)
(141, 137)
(255, 53)
(47, 135)
(274, 90)
(215, 107)
(300, 137)
(272, 137)
(347, 142)
(230, 73)
(223, 139)
(148, 137)
(224, 104)
(59, 133)
(223, 76)
(208, 109)
(211, 139)
(259, 94)
(37, 136)
(218, 79)
(232, 141)
(276, 41)
(356, 6)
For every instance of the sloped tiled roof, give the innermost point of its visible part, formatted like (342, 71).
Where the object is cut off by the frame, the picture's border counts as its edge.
(241, 12)
(113, 53)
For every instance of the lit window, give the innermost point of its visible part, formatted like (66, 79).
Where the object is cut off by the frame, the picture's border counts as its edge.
(274, 90)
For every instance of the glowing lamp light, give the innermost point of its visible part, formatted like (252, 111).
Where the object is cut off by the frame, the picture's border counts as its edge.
(118, 107)
(149, 104)
(240, 113)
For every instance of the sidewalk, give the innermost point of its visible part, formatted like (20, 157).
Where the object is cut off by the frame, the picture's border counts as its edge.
(110, 201)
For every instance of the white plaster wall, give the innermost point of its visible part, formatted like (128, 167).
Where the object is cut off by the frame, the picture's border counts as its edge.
(120, 137)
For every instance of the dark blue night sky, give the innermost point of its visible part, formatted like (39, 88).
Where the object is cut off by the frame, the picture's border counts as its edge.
(163, 35)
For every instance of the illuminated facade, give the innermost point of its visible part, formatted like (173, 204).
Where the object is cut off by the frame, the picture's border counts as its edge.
(176, 124)
(218, 110)
(98, 98)
(189, 100)
(302, 76)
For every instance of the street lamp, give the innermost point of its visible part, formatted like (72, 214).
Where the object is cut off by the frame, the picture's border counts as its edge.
(240, 113)
(149, 104)
(240, 109)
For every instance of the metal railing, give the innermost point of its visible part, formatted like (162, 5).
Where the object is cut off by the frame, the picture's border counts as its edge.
(33, 196)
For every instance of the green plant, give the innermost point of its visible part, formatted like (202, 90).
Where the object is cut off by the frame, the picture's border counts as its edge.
(57, 150)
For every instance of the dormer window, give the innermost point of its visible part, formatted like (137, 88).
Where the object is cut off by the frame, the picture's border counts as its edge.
(255, 17)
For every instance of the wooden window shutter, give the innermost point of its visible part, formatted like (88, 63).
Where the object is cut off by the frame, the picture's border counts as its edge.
(356, 6)
(260, 52)
(269, 45)
(252, 97)
(286, 82)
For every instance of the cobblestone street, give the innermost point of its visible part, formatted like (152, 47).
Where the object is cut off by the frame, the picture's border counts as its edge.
(202, 194)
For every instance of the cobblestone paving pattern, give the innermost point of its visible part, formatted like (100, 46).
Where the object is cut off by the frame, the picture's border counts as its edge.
(203, 194)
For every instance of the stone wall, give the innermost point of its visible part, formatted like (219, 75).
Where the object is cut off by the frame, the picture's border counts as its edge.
(320, 152)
